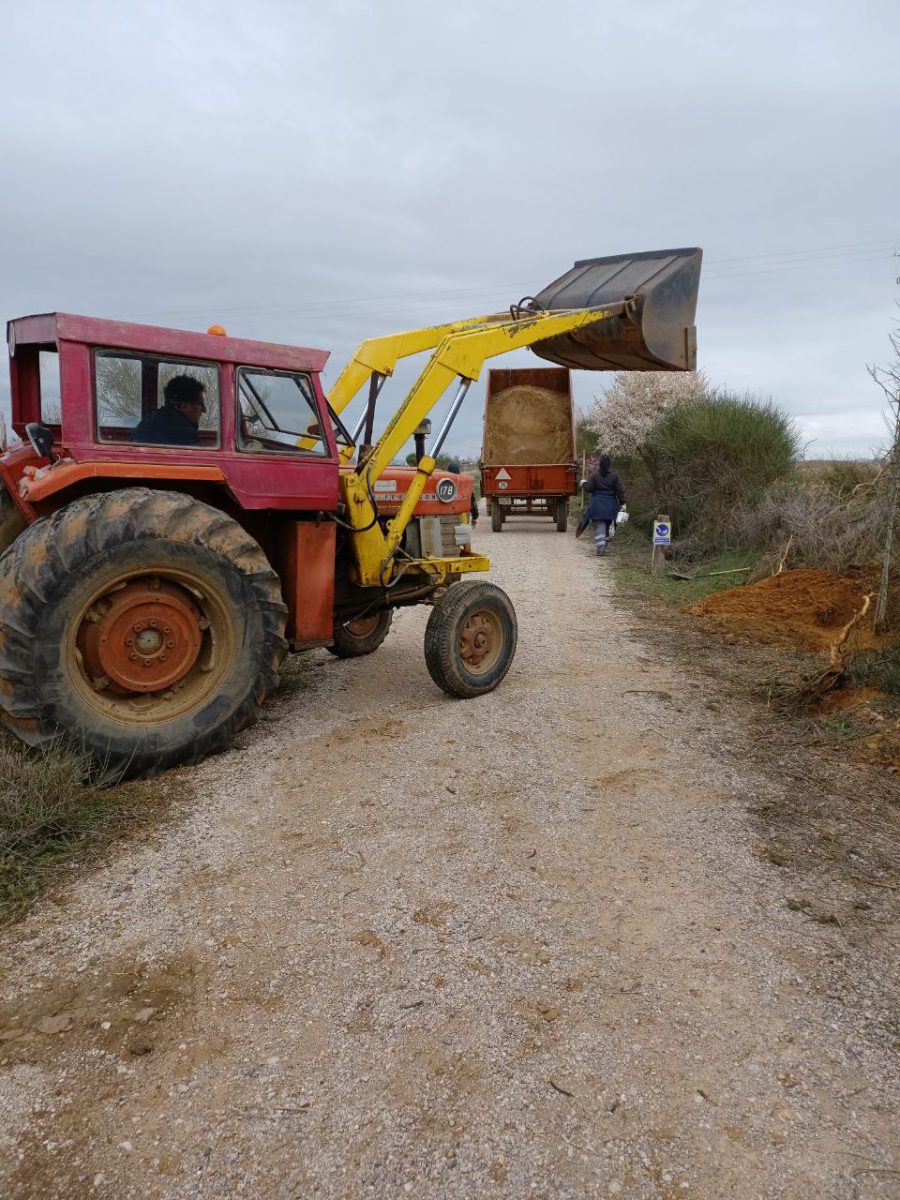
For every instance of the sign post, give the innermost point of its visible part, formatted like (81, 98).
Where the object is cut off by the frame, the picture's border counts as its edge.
(662, 537)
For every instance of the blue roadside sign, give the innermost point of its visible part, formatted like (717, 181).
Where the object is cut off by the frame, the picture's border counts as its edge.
(662, 534)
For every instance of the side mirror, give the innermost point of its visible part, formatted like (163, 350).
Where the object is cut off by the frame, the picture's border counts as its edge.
(41, 439)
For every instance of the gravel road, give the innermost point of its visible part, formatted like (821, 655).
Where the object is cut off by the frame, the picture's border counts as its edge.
(396, 944)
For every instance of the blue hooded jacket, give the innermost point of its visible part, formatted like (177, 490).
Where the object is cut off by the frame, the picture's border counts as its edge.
(607, 495)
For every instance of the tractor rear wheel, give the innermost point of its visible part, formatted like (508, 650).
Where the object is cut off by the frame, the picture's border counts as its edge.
(144, 627)
(470, 639)
(496, 518)
(562, 515)
(353, 639)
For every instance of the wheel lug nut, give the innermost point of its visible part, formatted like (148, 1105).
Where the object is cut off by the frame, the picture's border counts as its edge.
(166, 629)
(146, 662)
(133, 657)
(129, 641)
(170, 643)
(153, 622)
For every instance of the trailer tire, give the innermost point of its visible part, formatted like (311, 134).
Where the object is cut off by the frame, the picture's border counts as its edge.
(562, 515)
(470, 639)
(365, 638)
(143, 627)
(496, 518)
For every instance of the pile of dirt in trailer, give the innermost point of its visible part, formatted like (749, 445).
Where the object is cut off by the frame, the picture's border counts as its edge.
(528, 425)
(807, 608)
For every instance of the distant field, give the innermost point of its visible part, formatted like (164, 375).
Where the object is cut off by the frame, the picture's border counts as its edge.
(830, 470)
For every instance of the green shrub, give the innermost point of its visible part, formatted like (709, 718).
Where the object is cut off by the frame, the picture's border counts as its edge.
(706, 459)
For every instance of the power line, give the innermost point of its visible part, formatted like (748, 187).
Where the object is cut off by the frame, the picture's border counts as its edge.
(735, 267)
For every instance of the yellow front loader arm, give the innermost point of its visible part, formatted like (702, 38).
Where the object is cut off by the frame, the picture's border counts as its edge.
(461, 352)
(378, 357)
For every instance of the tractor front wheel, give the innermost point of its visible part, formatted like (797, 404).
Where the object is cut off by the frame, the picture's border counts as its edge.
(353, 639)
(470, 639)
(144, 627)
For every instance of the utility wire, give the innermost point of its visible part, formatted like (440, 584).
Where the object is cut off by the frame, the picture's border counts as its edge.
(735, 267)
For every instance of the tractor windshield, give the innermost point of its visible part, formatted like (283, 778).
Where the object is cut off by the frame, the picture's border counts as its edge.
(278, 412)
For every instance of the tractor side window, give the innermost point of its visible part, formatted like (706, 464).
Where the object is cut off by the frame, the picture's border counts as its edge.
(51, 403)
(278, 411)
(156, 402)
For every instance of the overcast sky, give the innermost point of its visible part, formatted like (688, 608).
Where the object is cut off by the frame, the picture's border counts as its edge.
(321, 172)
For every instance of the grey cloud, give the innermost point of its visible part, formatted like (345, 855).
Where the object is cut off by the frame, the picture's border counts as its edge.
(321, 173)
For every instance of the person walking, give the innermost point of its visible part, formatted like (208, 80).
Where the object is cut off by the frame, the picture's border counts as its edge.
(607, 497)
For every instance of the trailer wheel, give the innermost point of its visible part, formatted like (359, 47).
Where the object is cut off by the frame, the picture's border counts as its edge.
(470, 639)
(144, 627)
(496, 518)
(353, 639)
(562, 515)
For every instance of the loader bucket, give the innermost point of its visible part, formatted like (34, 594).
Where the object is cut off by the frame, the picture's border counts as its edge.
(655, 295)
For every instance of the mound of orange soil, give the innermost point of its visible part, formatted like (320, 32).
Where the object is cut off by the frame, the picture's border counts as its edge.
(805, 608)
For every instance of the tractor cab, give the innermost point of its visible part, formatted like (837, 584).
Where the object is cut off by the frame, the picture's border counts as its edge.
(133, 401)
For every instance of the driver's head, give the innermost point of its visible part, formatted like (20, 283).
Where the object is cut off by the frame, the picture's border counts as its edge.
(187, 394)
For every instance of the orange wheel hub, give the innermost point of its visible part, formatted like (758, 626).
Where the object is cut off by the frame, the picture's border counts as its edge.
(362, 626)
(144, 637)
(479, 643)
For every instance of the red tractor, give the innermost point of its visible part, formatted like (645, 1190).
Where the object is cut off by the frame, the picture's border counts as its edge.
(185, 508)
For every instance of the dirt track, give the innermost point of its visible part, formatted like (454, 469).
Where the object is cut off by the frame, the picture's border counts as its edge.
(401, 945)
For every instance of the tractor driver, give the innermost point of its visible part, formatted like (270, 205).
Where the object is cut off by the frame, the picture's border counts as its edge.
(177, 423)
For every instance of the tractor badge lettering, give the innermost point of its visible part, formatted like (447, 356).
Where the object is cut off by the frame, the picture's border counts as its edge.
(662, 534)
(446, 491)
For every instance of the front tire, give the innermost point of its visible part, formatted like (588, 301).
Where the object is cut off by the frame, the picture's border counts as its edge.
(353, 639)
(143, 627)
(470, 639)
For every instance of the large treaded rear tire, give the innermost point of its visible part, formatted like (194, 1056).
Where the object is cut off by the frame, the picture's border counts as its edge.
(361, 637)
(468, 609)
(562, 515)
(50, 579)
(496, 517)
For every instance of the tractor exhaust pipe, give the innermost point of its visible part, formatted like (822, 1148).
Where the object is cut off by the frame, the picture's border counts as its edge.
(655, 293)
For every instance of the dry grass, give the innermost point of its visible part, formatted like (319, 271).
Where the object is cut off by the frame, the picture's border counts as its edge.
(825, 526)
(54, 811)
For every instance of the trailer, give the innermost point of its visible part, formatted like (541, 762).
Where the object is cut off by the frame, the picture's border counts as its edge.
(528, 450)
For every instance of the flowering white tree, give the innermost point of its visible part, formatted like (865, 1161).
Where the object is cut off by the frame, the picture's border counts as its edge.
(623, 416)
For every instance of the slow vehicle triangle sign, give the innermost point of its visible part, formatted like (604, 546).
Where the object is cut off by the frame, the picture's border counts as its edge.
(503, 474)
